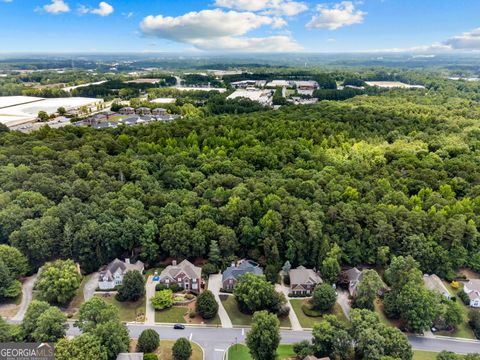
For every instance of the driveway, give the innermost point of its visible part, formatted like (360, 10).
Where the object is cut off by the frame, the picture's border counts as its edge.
(214, 285)
(90, 286)
(291, 315)
(149, 293)
(343, 301)
(27, 295)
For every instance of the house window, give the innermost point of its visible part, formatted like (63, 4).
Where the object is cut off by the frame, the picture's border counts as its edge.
(167, 281)
(179, 279)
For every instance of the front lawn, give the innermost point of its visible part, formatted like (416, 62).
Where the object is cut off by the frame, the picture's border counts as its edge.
(173, 315)
(308, 321)
(383, 318)
(127, 310)
(240, 352)
(79, 298)
(239, 318)
(164, 352)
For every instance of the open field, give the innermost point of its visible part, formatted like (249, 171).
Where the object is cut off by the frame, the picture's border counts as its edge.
(240, 352)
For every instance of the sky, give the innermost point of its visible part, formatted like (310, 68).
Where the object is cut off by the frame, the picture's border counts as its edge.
(218, 26)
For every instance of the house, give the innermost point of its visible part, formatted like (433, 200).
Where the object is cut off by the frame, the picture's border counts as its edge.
(279, 83)
(159, 111)
(130, 356)
(472, 288)
(142, 110)
(354, 277)
(303, 281)
(185, 274)
(231, 274)
(112, 275)
(434, 283)
(127, 110)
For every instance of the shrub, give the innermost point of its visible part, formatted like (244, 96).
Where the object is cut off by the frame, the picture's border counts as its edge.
(206, 305)
(284, 311)
(324, 297)
(455, 285)
(148, 341)
(160, 287)
(182, 350)
(162, 300)
(192, 314)
(303, 349)
(189, 296)
(310, 311)
(150, 357)
(464, 297)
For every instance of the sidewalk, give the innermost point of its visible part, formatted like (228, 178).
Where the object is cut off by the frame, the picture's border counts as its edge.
(214, 285)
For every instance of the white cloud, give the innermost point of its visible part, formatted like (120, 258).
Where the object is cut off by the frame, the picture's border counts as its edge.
(128, 15)
(7, 1)
(467, 41)
(275, 7)
(104, 9)
(218, 30)
(56, 7)
(337, 16)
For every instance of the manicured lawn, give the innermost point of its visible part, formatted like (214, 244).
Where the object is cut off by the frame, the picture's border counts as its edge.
(164, 352)
(173, 315)
(239, 318)
(128, 311)
(240, 352)
(424, 355)
(308, 321)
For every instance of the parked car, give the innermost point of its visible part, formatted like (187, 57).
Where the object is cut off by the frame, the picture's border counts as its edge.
(179, 327)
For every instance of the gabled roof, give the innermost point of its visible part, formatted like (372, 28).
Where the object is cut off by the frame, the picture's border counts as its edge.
(434, 283)
(186, 267)
(354, 275)
(246, 266)
(302, 275)
(121, 266)
(473, 285)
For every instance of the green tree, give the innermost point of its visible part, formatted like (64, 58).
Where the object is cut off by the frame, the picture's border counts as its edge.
(148, 341)
(264, 337)
(83, 347)
(181, 350)
(51, 325)
(58, 281)
(30, 320)
(214, 255)
(43, 116)
(367, 289)
(5, 331)
(162, 300)
(61, 111)
(133, 287)
(14, 260)
(324, 297)
(325, 334)
(113, 336)
(253, 293)
(206, 305)
(331, 266)
(401, 271)
(95, 311)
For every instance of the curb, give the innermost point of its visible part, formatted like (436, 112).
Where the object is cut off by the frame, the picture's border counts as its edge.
(200, 346)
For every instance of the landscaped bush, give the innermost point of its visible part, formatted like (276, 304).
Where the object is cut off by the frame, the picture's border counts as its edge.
(206, 305)
(148, 341)
(150, 357)
(464, 297)
(324, 297)
(308, 310)
(174, 287)
(162, 300)
(190, 296)
(284, 311)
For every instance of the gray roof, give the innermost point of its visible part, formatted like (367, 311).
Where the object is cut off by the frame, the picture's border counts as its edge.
(116, 265)
(246, 266)
(473, 285)
(434, 283)
(354, 275)
(302, 275)
(186, 267)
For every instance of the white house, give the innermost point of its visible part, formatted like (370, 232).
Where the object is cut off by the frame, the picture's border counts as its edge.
(472, 288)
(112, 275)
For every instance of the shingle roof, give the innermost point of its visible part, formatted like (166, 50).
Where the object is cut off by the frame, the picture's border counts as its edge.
(120, 265)
(434, 283)
(302, 275)
(354, 275)
(473, 284)
(192, 271)
(246, 266)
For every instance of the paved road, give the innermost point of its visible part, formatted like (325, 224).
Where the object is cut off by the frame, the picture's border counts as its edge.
(90, 286)
(149, 293)
(216, 340)
(214, 285)
(27, 295)
(292, 316)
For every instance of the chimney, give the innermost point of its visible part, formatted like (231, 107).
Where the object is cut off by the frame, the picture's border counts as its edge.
(127, 261)
(174, 262)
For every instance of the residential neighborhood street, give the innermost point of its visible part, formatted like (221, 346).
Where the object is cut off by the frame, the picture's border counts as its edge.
(27, 295)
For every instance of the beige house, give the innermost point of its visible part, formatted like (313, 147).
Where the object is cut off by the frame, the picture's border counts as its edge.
(303, 281)
(185, 274)
(434, 283)
(112, 275)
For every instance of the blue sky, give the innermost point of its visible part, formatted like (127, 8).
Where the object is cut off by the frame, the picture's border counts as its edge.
(239, 25)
